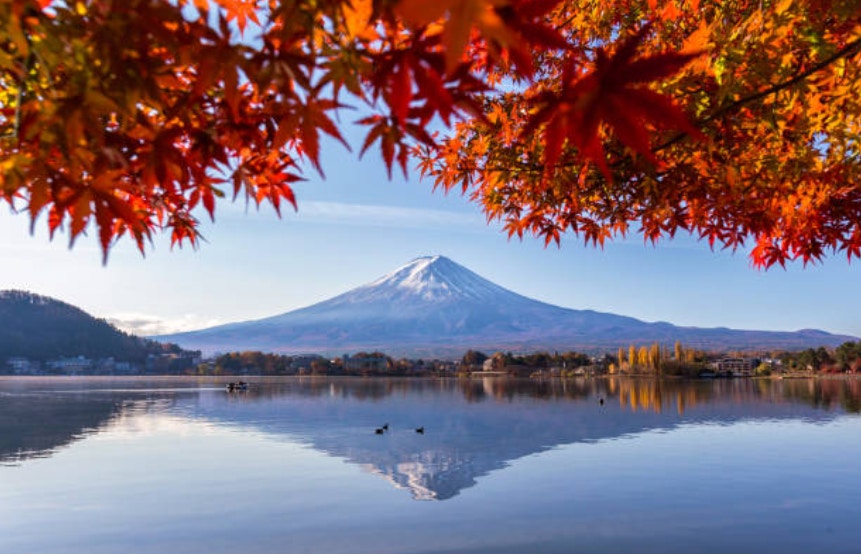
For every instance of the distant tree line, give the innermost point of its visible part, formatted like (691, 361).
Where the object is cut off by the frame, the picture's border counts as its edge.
(845, 358)
(651, 359)
(525, 364)
(357, 364)
(658, 359)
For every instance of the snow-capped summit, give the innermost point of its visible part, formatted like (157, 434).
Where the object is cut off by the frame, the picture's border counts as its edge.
(431, 278)
(433, 307)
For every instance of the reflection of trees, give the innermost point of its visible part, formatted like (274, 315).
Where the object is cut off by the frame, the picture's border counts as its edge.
(641, 395)
(509, 389)
(825, 394)
(37, 425)
(657, 394)
(473, 390)
(358, 388)
(636, 394)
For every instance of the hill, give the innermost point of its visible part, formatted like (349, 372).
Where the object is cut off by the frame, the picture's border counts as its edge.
(41, 328)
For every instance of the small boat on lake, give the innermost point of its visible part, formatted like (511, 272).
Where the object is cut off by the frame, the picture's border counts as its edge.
(237, 387)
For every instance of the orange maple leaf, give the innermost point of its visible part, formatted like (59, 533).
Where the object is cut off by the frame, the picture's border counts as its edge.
(505, 24)
(357, 19)
(616, 94)
(241, 11)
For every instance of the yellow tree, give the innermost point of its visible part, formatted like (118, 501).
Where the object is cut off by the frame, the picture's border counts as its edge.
(655, 356)
(690, 355)
(643, 357)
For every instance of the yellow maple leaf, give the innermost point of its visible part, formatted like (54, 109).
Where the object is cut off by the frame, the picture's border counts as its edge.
(357, 19)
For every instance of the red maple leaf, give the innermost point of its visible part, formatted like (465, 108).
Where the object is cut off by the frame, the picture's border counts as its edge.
(616, 94)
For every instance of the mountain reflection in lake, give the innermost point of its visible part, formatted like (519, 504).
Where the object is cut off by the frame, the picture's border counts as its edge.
(295, 465)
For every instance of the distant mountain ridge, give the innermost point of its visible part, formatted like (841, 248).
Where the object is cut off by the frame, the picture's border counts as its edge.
(434, 307)
(41, 328)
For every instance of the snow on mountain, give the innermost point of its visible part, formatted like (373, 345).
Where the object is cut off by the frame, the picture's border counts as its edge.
(421, 285)
(434, 278)
(433, 306)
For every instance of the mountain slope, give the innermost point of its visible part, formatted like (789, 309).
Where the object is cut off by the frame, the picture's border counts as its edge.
(40, 328)
(433, 306)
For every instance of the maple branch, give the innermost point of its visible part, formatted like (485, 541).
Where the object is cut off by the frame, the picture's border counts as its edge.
(21, 84)
(13, 134)
(22, 80)
(850, 50)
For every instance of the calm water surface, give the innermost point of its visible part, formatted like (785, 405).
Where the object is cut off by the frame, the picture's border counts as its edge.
(294, 465)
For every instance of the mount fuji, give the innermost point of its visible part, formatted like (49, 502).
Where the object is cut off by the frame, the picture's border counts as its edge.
(434, 307)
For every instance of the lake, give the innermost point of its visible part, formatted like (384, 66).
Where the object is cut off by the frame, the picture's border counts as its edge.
(100, 465)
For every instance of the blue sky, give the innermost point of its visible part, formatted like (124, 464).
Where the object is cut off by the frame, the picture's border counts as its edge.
(356, 225)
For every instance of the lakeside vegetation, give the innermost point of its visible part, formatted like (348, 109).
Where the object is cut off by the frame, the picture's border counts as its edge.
(48, 337)
(43, 336)
(644, 360)
(654, 359)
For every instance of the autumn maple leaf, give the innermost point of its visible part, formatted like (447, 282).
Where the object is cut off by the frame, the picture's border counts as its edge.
(242, 11)
(616, 94)
(512, 25)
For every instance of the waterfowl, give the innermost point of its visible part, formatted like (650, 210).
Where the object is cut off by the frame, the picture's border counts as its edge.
(379, 431)
(420, 430)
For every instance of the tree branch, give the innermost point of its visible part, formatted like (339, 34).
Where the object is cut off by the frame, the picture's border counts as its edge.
(850, 50)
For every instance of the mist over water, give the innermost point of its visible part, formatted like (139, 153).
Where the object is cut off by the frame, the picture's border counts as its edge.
(596, 465)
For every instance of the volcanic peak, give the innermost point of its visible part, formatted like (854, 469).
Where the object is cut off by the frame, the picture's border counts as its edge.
(434, 278)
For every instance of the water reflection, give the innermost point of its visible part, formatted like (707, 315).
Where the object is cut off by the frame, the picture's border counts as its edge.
(473, 427)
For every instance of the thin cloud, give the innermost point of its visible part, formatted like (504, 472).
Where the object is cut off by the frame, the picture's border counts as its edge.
(367, 215)
(386, 216)
(144, 325)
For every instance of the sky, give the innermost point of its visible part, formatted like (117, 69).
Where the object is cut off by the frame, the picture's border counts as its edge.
(357, 225)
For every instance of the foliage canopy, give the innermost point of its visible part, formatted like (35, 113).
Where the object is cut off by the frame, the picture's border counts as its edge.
(735, 120)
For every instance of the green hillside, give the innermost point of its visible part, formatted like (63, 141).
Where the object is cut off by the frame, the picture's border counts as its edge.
(41, 328)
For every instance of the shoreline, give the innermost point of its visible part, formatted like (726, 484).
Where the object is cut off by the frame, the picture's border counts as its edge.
(224, 379)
